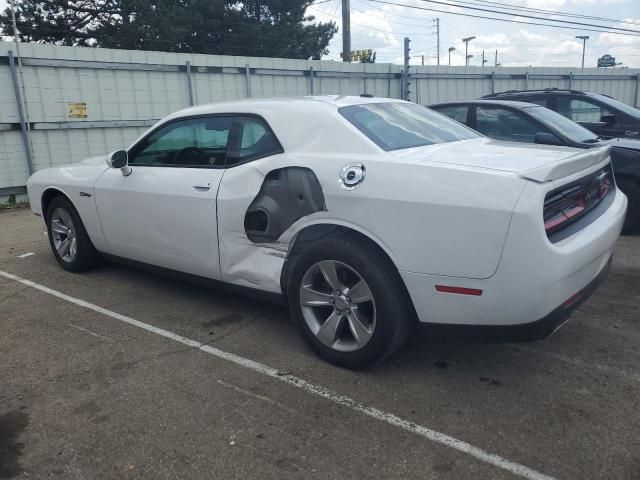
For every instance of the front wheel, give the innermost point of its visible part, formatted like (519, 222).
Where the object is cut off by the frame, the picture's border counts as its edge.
(348, 301)
(68, 238)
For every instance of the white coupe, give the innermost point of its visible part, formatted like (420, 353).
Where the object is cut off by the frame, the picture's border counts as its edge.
(365, 214)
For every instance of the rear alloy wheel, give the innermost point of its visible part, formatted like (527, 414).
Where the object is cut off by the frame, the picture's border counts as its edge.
(338, 306)
(348, 301)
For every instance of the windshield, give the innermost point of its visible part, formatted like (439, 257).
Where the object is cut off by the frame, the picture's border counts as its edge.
(394, 125)
(617, 104)
(568, 128)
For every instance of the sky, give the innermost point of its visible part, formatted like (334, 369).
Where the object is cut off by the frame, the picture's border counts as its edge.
(382, 28)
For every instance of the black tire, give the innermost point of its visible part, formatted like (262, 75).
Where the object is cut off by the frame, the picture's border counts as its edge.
(631, 188)
(86, 256)
(394, 314)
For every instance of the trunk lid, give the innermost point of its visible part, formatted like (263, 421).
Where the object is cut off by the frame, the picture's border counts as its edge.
(535, 162)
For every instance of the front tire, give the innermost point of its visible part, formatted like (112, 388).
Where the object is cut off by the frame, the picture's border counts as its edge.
(348, 301)
(68, 238)
(631, 188)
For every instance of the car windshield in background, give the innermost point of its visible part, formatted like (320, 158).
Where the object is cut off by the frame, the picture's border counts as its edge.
(568, 128)
(617, 104)
(393, 126)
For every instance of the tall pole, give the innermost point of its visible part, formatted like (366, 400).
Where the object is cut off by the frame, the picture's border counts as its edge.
(451, 49)
(584, 39)
(438, 38)
(483, 60)
(466, 49)
(407, 76)
(346, 31)
(496, 62)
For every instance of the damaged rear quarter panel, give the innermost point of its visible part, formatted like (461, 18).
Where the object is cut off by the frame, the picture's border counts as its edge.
(429, 218)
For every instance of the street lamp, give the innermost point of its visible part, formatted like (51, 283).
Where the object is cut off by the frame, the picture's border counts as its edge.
(451, 49)
(469, 57)
(466, 47)
(584, 39)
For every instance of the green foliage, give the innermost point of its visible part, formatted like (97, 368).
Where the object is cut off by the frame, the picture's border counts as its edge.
(261, 28)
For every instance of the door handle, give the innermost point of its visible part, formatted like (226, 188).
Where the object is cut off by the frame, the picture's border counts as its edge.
(202, 188)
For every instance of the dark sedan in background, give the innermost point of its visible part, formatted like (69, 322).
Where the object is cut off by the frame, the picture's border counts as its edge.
(602, 114)
(530, 123)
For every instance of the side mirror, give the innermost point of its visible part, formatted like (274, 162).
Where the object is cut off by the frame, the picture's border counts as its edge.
(119, 160)
(545, 138)
(608, 119)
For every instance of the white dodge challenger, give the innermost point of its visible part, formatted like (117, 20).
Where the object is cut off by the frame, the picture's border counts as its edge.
(365, 214)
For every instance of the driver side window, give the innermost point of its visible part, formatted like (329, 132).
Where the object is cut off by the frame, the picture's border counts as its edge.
(191, 143)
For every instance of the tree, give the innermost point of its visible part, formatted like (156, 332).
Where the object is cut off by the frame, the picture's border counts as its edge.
(263, 28)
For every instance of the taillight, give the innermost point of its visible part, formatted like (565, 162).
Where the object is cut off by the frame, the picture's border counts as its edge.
(566, 204)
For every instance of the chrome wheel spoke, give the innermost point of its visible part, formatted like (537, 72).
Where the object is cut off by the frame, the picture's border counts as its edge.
(361, 332)
(330, 275)
(328, 332)
(63, 248)
(73, 247)
(312, 298)
(360, 293)
(58, 227)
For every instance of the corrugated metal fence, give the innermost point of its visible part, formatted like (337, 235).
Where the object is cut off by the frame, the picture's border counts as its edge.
(124, 92)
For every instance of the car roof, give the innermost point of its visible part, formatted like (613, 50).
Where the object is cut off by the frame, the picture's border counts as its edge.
(280, 104)
(506, 103)
(543, 91)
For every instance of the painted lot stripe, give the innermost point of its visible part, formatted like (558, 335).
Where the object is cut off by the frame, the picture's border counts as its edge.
(316, 390)
(25, 255)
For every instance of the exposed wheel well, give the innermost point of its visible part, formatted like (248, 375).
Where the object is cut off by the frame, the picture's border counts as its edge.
(315, 232)
(47, 198)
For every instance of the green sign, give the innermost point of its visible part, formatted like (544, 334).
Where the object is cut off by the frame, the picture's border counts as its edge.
(606, 61)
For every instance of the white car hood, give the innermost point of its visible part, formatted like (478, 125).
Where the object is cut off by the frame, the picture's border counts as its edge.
(94, 160)
(531, 161)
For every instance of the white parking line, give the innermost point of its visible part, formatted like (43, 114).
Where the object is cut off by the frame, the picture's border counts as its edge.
(25, 255)
(317, 390)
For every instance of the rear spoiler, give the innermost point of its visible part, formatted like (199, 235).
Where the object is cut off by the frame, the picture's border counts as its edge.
(582, 160)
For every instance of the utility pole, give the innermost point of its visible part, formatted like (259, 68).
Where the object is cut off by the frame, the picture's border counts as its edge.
(406, 80)
(584, 39)
(496, 62)
(451, 49)
(423, 60)
(346, 31)
(438, 38)
(483, 60)
(469, 57)
(466, 49)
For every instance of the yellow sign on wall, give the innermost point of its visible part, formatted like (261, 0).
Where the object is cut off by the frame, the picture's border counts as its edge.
(77, 110)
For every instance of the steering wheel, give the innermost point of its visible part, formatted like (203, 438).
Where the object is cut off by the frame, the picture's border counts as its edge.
(191, 156)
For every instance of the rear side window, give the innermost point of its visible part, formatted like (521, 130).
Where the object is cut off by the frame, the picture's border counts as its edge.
(458, 112)
(395, 125)
(542, 101)
(256, 141)
(581, 110)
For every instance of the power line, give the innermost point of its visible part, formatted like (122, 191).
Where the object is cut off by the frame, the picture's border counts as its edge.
(569, 22)
(508, 6)
(502, 19)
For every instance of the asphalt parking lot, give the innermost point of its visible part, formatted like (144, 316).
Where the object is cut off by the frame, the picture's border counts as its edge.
(118, 373)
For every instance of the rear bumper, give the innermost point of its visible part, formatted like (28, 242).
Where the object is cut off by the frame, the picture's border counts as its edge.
(537, 284)
(526, 332)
